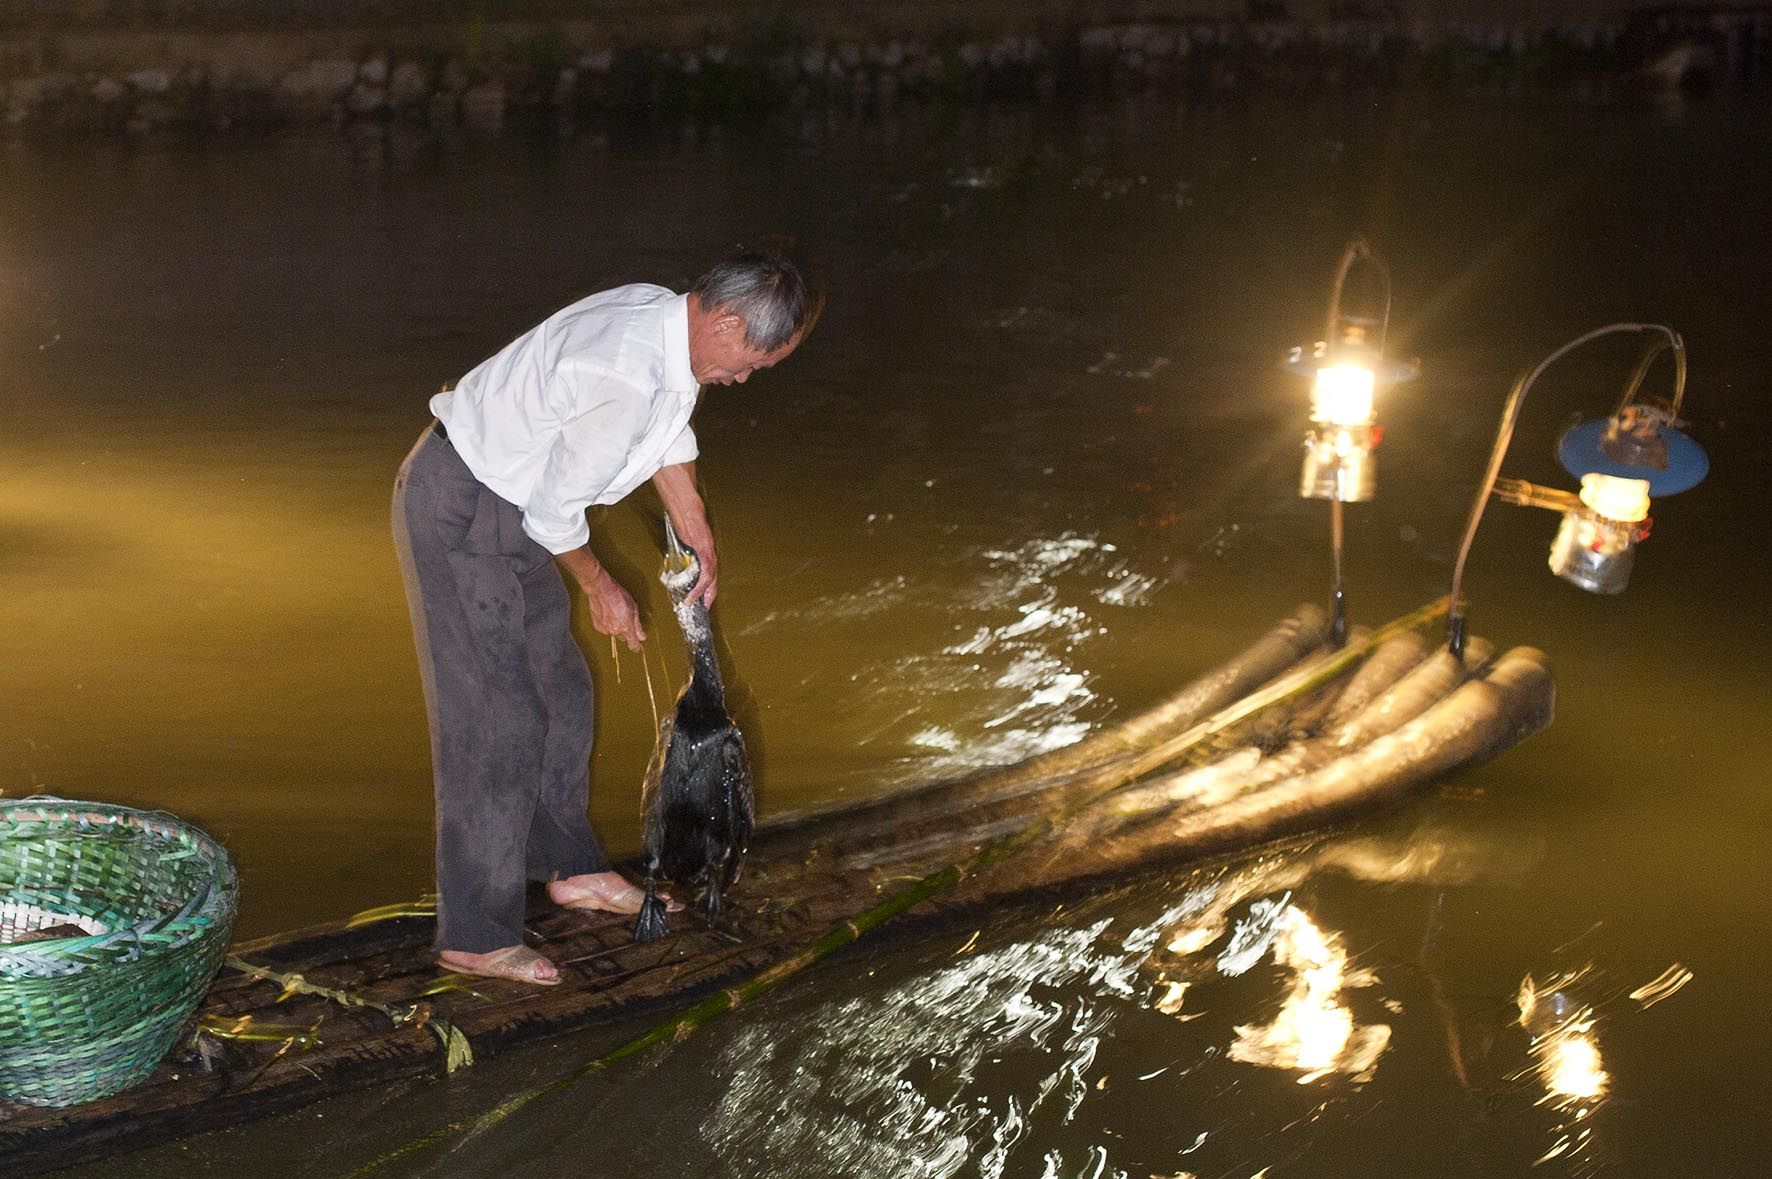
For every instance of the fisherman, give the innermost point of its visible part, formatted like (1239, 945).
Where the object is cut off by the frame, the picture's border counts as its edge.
(489, 508)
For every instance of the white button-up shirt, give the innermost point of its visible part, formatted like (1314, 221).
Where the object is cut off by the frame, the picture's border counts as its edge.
(579, 410)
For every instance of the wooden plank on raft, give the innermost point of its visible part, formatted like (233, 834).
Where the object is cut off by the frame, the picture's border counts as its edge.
(812, 875)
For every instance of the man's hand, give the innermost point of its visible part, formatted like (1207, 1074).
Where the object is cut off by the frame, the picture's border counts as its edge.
(613, 611)
(708, 582)
(676, 487)
(611, 607)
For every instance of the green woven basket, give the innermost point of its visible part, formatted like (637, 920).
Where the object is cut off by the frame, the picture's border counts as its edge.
(112, 923)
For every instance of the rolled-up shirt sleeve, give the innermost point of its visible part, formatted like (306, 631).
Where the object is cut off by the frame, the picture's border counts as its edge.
(682, 449)
(585, 458)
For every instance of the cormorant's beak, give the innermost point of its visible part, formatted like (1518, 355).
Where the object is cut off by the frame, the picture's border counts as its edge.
(677, 558)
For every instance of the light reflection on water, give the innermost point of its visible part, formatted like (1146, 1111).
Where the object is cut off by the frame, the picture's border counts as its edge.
(1057, 1047)
(1129, 1035)
(890, 1083)
(1314, 1032)
(1562, 1017)
(997, 1060)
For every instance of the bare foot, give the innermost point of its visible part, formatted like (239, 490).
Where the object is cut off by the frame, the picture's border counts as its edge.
(602, 892)
(514, 962)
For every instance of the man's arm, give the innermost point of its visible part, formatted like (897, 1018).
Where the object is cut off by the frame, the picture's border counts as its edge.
(612, 608)
(676, 487)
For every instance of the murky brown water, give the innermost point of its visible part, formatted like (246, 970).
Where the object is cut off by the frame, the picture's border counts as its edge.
(1036, 466)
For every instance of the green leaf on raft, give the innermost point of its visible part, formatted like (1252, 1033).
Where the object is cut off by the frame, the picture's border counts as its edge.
(425, 906)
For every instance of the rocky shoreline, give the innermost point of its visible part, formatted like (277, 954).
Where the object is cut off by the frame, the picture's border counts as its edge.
(486, 78)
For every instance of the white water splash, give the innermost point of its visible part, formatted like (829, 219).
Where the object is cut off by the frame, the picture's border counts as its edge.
(875, 598)
(1253, 935)
(1038, 696)
(1012, 682)
(1133, 589)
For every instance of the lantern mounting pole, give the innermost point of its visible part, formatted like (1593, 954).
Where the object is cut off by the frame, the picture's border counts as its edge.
(1455, 617)
(1356, 250)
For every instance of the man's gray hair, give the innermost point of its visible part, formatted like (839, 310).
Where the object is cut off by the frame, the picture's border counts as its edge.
(766, 291)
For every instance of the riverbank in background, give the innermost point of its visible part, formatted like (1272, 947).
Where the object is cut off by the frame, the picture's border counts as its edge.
(74, 69)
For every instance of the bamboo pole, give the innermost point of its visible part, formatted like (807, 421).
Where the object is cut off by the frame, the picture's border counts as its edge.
(1512, 700)
(1305, 680)
(1192, 789)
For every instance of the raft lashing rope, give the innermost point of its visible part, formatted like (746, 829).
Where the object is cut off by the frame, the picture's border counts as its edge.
(696, 799)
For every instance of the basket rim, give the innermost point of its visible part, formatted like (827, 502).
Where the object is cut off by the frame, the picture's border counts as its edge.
(215, 899)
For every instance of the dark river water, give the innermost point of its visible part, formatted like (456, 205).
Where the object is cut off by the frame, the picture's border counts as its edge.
(1036, 467)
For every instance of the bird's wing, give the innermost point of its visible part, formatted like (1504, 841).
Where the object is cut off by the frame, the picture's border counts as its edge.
(650, 807)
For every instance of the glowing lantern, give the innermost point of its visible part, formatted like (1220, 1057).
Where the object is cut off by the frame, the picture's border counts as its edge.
(1621, 461)
(1342, 395)
(1338, 461)
(1346, 372)
(1595, 543)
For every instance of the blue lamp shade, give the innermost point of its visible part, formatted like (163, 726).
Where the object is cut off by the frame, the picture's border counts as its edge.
(1581, 452)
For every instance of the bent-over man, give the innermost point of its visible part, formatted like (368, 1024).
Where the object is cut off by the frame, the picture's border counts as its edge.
(489, 508)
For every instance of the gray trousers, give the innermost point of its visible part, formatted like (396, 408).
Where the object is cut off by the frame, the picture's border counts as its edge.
(507, 695)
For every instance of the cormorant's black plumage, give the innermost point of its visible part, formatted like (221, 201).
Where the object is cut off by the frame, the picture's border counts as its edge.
(697, 796)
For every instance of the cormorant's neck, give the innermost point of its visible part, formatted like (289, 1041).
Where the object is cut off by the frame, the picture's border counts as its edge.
(704, 665)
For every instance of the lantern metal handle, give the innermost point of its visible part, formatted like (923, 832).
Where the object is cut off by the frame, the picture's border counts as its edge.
(1358, 250)
(1671, 341)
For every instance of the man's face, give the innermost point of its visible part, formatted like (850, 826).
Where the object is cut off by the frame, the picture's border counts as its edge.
(719, 355)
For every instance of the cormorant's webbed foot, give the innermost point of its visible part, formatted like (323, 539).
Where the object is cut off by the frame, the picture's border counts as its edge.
(652, 923)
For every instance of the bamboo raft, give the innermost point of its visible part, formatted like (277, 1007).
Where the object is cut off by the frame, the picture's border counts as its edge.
(1288, 736)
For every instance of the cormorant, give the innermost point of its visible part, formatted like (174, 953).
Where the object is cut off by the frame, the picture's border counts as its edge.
(697, 797)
